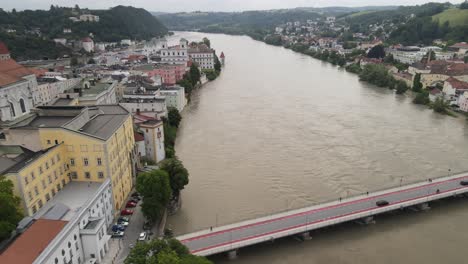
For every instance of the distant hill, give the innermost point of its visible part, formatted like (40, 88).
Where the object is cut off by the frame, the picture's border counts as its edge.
(34, 30)
(455, 17)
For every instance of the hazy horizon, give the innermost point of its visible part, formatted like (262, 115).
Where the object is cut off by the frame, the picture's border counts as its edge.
(210, 5)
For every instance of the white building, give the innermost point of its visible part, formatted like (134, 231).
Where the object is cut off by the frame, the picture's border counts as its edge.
(92, 92)
(153, 133)
(463, 102)
(89, 18)
(175, 97)
(50, 88)
(147, 104)
(203, 56)
(62, 41)
(87, 44)
(279, 30)
(70, 228)
(175, 54)
(127, 42)
(17, 87)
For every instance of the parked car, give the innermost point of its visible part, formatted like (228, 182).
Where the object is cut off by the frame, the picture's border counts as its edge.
(123, 219)
(382, 203)
(146, 225)
(116, 228)
(118, 234)
(131, 204)
(126, 212)
(122, 223)
(142, 236)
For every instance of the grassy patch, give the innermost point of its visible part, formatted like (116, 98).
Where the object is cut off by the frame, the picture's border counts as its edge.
(455, 17)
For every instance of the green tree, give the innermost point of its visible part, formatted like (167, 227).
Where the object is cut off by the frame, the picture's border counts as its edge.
(174, 117)
(422, 98)
(156, 190)
(194, 74)
(10, 212)
(168, 257)
(377, 52)
(163, 251)
(401, 87)
(178, 174)
(207, 42)
(417, 85)
(440, 106)
(217, 65)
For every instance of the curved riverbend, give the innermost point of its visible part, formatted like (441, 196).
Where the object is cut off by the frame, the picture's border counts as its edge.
(280, 130)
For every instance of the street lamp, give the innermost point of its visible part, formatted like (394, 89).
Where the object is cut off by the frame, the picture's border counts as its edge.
(401, 180)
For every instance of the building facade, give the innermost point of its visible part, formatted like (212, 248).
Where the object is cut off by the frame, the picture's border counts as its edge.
(174, 54)
(203, 56)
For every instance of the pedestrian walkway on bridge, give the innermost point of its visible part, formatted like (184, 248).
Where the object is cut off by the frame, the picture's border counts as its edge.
(231, 237)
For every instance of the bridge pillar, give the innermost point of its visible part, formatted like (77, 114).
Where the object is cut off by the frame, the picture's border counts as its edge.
(306, 236)
(424, 206)
(232, 254)
(366, 220)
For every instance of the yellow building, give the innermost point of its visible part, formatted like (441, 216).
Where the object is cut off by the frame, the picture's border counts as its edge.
(98, 142)
(37, 176)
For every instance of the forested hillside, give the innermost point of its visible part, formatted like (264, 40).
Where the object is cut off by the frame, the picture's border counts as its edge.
(29, 33)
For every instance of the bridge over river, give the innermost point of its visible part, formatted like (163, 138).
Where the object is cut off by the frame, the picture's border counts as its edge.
(231, 237)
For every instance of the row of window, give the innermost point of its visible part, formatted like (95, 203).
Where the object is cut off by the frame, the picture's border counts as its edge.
(174, 53)
(41, 170)
(85, 148)
(40, 202)
(86, 161)
(87, 175)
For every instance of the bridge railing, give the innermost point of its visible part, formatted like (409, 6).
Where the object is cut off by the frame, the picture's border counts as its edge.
(350, 196)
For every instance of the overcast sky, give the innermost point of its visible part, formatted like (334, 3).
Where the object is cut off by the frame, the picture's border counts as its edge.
(203, 5)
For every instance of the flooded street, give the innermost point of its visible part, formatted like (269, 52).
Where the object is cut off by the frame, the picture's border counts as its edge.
(280, 130)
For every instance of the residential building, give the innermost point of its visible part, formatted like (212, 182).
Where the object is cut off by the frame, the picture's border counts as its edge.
(98, 142)
(17, 86)
(408, 55)
(127, 42)
(36, 176)
(169, 73)
(175, 97)
(463, 102)
(50, 88)
(145, 103)
(70, 228)
(175, 54)
(87, 44)
(140, 144)
(434, 94)
(62, 41)
(453, 88)
(89, 18)
(93, 92)
(153, 134)
(460, 48)
(203, 56)
(404, 76)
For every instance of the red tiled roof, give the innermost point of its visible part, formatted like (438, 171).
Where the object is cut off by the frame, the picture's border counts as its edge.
(29, 245)
(435, 91)
(460, 45)
(457, 84)
(3, 48)
(139, 137)
(11, 72)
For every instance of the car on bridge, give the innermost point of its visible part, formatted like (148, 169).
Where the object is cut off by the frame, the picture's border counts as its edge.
(382, 203)
(118, 234)
(464, 183)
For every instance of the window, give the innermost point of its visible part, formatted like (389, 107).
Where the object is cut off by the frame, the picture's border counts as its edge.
(85, 161)
(32, 176)
(26, 181)
(72, 162)
(70, 148)
(55, 175)
(40, 204)
(49, 178)
(99, 161)
(100, 175)
(58, 157)
(84, 148)
(47, 165)
(53, 192)
(44, 186)
(74, 175)
(48, 142)
(47, 196)
(63, 182)
(30, 196)
(34, 209)
(52, 160)
(59, 187)
(22, 105)
(40, 170)
(36, 190)
(87, 175)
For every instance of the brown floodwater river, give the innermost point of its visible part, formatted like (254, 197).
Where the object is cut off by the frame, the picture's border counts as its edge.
(279, 130)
